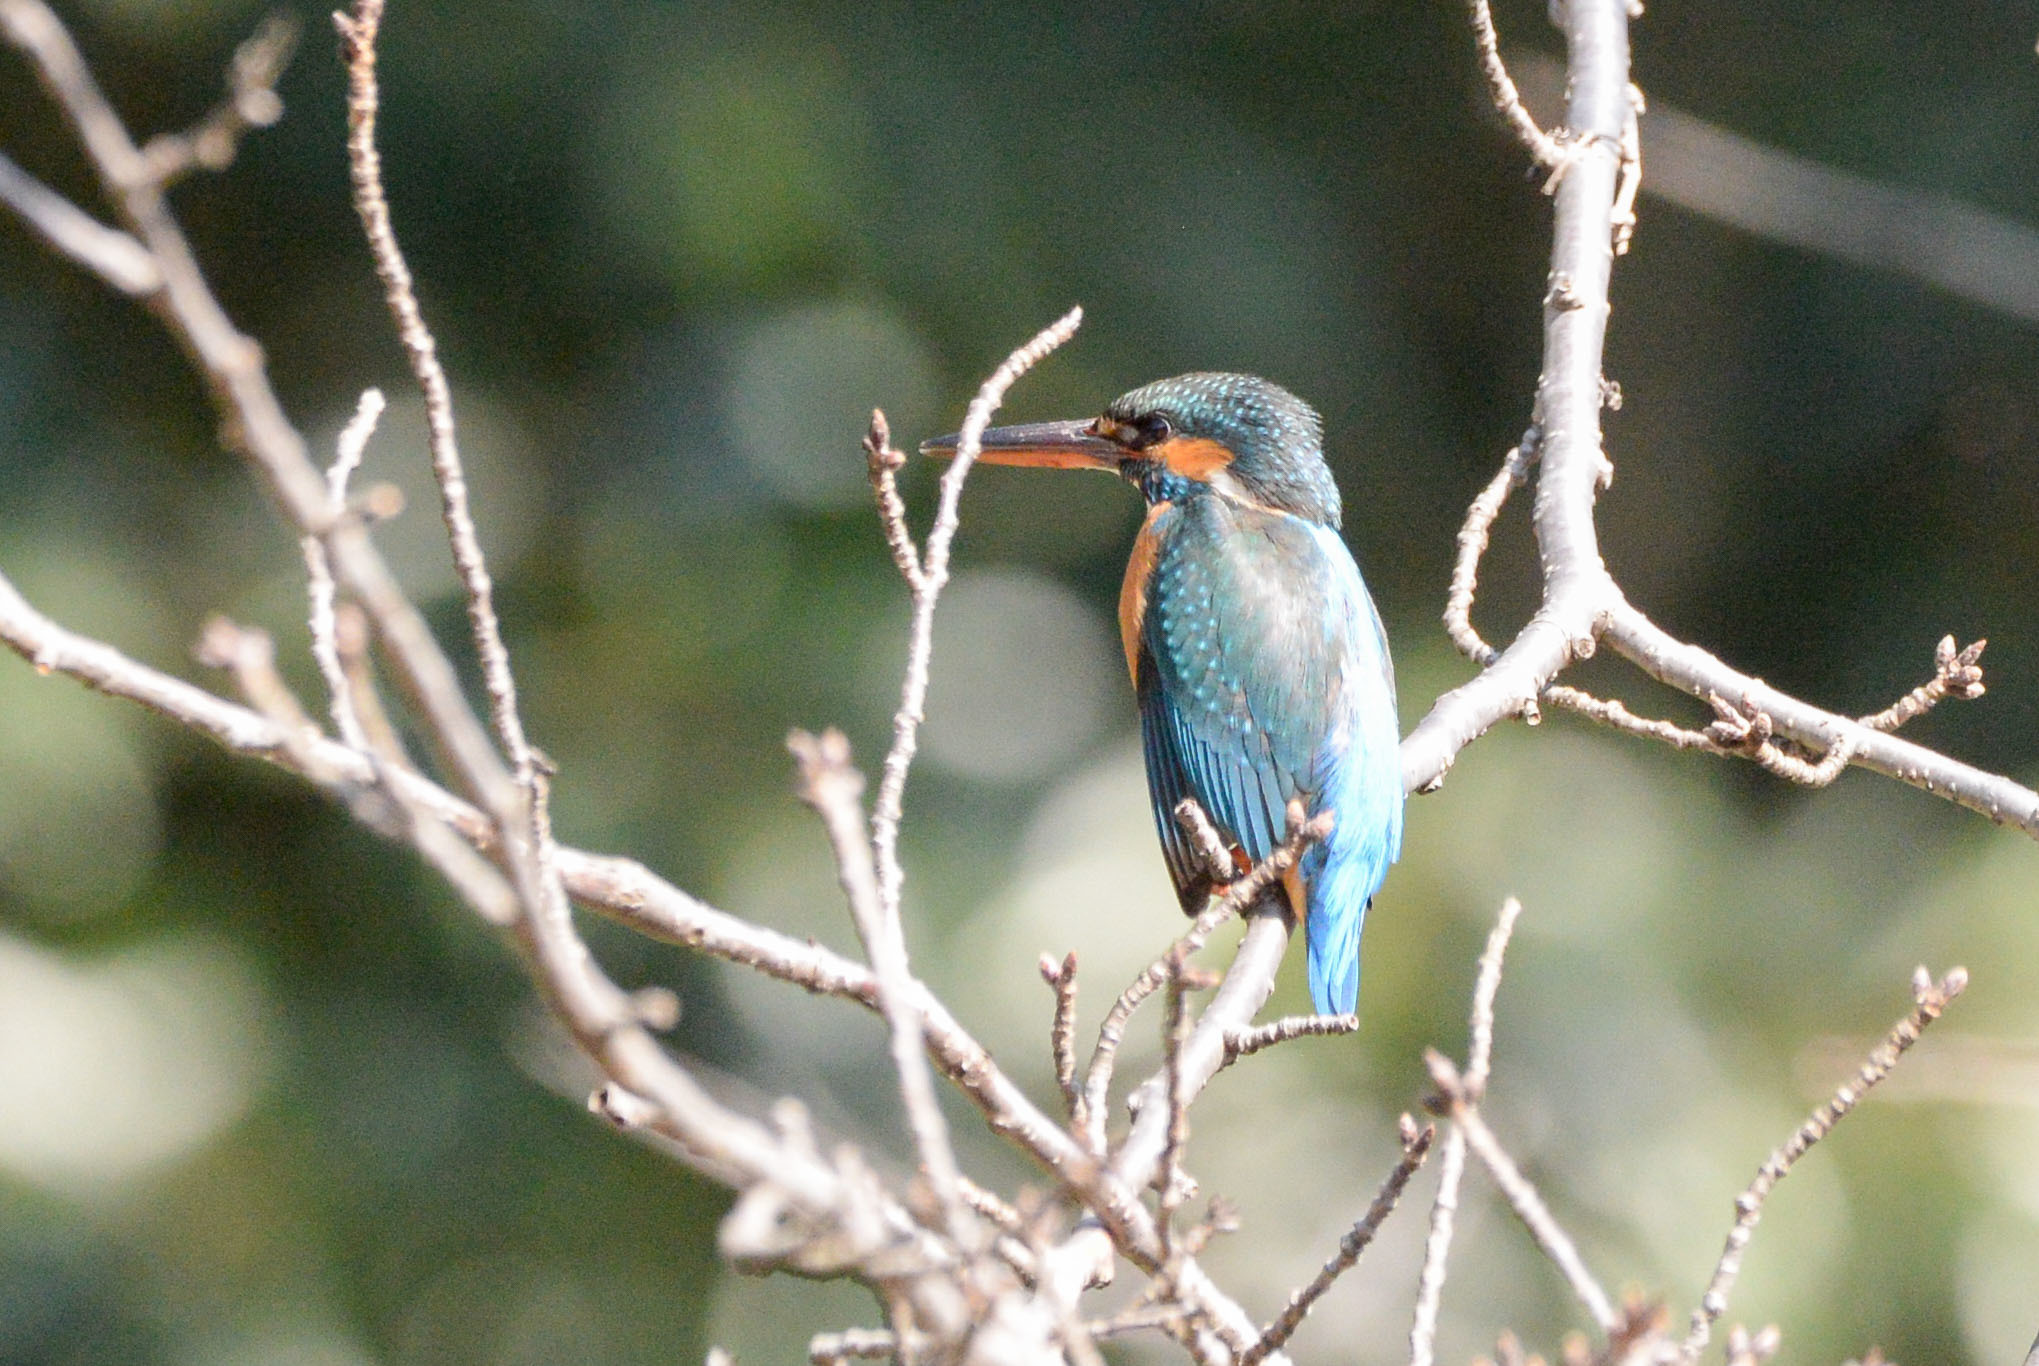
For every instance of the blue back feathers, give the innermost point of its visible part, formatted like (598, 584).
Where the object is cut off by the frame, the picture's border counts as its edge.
(1262, 670)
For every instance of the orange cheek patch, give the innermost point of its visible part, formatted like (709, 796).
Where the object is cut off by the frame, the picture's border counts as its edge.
(1193, 457)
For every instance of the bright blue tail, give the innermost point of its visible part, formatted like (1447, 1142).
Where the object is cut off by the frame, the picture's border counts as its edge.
(1343, 873)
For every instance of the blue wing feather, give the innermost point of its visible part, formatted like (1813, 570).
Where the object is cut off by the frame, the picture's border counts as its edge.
(1263, 674)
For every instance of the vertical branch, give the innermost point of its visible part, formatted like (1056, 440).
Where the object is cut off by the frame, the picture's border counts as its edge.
(934, 577)
(1061, 977)
(1436, 1249)
(1174, 1181)
(1451, 1171)
(832, 787)
(324, 622)
(358, 36)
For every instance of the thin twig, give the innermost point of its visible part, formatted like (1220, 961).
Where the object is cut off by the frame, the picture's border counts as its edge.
(886, 811)
(1236, 897)
(323, 621)
(1174, 1182)
(1929, 1000)
(1436, 1250)
(1957, 673)
(884, 463)
(1415, 1147)
(1451, 1171)
(1062, 1033)
(862, 1344)
(1611, 712)
(116, 257)
(1167, 1320)
(1486, 986)
(1507, 99)
(1631, 172)
(1242, 1043)
(351, 638)
(1522, 1196)
(1472, 545)
(832, 787)
(991, 1205)
(358, 36)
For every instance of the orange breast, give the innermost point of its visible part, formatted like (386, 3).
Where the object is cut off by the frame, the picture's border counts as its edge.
(1133, 592)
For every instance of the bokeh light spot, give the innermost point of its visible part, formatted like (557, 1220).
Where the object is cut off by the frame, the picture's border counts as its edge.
(801, 388)
(1024, 677)
(112, 1068)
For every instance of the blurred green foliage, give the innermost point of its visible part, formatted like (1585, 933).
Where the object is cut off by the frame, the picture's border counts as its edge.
(267, 1095)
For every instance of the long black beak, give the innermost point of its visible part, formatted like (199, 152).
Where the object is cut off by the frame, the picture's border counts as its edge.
(1048, 445)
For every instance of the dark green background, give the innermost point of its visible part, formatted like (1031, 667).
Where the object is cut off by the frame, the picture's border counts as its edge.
(267, 1095)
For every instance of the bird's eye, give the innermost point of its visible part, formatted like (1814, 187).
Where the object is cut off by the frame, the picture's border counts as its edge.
(1155, 430)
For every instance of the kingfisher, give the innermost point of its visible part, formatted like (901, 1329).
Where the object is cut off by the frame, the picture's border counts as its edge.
(1256, 653)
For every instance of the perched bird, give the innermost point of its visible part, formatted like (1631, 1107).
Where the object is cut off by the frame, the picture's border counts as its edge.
(1257, 655)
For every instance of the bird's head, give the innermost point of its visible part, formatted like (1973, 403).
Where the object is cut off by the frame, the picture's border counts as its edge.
(1234, 436)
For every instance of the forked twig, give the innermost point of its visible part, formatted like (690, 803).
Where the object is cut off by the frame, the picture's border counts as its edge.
(1234, 900)
(1522, 1196)
(1242, 1043)
(1929, 1000)
(1415, 1147)
(1444, 1206)
(927, 588)
(1061, 977)
(358, 37)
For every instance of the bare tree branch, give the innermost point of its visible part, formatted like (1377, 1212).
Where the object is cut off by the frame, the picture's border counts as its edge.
(1006, 1289)
(358, 36)
(832, 787)
(1444, 1205)
(1458, 1100)
(1061, 978)
(251, 102)
(1415, 1147)
(109, 253)
(1929, 1000)
(1546, 149)
(1582, 605)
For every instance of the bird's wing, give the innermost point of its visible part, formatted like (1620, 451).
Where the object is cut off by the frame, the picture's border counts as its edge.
(1247, 639)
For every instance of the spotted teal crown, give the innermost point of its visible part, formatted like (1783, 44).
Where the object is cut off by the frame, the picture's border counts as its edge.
(1276, 440)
